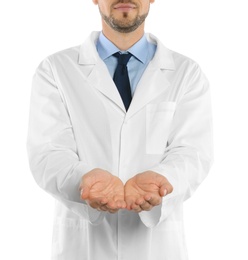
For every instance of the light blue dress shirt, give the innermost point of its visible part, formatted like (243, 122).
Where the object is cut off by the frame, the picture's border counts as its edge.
(142, 51)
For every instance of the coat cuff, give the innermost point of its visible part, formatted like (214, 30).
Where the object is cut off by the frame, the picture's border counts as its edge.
(159, 213)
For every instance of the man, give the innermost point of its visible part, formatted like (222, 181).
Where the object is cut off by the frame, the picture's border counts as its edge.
(120, 144)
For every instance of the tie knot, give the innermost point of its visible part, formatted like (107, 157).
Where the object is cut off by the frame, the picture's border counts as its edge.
(122, 58)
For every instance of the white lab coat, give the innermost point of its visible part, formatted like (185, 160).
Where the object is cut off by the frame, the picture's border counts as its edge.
(78, 122)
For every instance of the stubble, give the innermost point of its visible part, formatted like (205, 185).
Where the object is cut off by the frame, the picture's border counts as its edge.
(125, 25)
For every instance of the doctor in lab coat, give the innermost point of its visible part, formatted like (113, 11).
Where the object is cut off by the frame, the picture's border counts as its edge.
(119, 177)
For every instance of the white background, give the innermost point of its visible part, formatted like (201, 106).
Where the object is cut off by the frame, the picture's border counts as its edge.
(213, 32)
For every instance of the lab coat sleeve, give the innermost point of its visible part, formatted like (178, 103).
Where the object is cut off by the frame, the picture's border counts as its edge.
(52, 149)
(189, 154)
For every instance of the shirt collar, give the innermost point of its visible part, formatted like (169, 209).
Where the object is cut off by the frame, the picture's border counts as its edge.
(106, 48)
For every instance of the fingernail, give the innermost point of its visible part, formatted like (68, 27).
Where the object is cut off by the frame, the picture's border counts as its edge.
(81, 192)
(165, 192)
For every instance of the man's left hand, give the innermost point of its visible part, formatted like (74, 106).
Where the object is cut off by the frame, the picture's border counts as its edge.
(145, 190)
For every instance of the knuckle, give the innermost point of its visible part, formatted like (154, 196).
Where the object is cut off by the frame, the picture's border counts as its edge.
(112, 211)
(157, 202)
(93, 205)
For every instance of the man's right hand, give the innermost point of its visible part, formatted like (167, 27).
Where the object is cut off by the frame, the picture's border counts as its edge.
(103, 191)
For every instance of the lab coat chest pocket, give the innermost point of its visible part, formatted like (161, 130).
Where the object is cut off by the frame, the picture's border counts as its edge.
(158, 123)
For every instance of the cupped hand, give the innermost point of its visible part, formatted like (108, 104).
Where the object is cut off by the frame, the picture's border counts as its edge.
(145, 190)
(103, 191)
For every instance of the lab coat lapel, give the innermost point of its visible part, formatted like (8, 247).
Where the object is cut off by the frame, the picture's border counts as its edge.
(152, 83)
(101, 80)
(154, 80)
(96, 71)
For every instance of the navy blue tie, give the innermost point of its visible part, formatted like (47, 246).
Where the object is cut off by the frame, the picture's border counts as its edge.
(121, 78)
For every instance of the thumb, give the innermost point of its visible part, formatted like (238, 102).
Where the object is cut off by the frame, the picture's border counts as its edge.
(165, 189)
(85, 186)
(84, 192)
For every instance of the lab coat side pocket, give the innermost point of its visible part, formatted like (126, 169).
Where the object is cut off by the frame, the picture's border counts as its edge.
(70, 238)
(158, 123)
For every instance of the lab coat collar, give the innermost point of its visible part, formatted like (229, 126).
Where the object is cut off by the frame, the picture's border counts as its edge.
(163, 56)
(98, 76)
(88, 53)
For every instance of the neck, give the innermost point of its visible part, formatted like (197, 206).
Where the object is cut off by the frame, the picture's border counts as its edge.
(123, 41)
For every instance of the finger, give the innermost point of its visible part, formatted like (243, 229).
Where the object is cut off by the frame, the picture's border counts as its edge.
(103, 201)
(119, 201)
(155, 200)
(121, 204)
(112, 211)
(129, 203)
(140, 201)
(96, 203)
(136, 208)
(146, 206)
(103, 208)
(148, 197)
(111, 207)
(106, 209)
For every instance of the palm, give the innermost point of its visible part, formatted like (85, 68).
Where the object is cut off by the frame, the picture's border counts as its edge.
(141, 185)
(103, 190)
(144, 191)
(108, 186)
